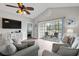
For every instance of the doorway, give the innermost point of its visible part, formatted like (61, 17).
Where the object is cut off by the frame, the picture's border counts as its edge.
(29, 31)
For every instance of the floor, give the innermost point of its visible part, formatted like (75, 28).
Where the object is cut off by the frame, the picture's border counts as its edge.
(44, 45)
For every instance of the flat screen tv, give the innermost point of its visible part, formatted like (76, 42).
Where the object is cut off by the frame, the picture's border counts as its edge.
(10, 24)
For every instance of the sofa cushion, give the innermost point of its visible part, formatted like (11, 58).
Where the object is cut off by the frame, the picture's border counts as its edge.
(75, 43)
(48, 53)
(66, 51)
(78, 53)
(29, 42)
(56, 47)
(9, 50)
(20, 46)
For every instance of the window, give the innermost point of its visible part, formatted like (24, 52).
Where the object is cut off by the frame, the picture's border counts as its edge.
(50, 28)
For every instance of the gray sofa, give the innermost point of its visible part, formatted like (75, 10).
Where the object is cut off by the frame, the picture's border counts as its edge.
(30, 51)
(15, 46)
(61, 50)
(48, 53)
(26, 48)
(69, 47)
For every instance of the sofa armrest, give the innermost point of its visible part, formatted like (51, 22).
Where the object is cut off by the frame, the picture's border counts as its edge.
(47, 53)
(55, 47)
(67, 51)
(30, 51)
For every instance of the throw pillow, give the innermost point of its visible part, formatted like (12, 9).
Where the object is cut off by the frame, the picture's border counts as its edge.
(16, 37)
(66, 51)
(77, 46)
(9, 50)
(69, 40)
(65, 40)
(75, 43)
(48, 53)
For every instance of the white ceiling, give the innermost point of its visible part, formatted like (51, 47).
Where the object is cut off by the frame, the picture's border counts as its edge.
(38, 7)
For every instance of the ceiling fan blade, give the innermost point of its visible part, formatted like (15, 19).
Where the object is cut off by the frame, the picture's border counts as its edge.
(29, 8)
(27, 12)
(12, 6)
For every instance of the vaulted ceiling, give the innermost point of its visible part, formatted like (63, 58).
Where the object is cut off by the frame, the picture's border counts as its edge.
(39, 8)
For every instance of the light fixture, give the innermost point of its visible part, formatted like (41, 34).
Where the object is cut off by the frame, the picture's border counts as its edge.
(22, 8)
(70, 32)
(19, 11)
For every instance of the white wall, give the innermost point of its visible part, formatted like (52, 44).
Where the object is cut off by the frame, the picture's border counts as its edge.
(24, 27)
(35, 29)
(52, 13)
(25, 20)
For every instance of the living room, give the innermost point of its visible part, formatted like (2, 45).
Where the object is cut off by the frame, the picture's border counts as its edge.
(46, 30)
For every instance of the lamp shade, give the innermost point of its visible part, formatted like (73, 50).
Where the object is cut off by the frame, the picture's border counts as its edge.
(69, 30)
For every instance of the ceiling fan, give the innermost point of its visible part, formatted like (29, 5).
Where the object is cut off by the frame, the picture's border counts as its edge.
(22, 8)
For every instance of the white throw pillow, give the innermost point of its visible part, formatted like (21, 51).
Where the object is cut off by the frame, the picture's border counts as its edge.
(75, 43)
(9, 50)
(78, 46)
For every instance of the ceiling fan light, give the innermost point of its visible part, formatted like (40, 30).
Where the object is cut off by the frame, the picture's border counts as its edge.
(20, 11)
(24, 12)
